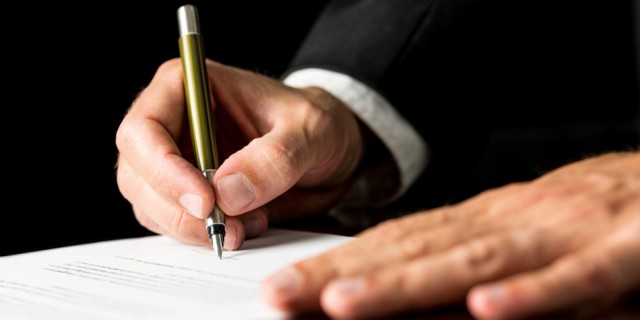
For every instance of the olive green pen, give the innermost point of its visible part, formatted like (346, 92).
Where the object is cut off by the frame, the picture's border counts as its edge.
(198, 101)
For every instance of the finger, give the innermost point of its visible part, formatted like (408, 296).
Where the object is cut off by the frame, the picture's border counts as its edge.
(367, 254)
(429, 233)
(153, 213)
(425, 233)
(144, 220)
(147, 139)
(297, 287)
(234, 233)
(439, 279)
(254, 222)
(129, 184)
(171, 220)
(239, 228)
(297, 143)
(261, 171)
(600, 271)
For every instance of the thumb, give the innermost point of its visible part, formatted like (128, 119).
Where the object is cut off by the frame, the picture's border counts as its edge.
(261, 171)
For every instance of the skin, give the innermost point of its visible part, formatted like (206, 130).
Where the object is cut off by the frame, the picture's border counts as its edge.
(567, 239)
(286, 153)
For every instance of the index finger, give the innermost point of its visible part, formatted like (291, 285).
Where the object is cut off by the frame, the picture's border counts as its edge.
(148, 137)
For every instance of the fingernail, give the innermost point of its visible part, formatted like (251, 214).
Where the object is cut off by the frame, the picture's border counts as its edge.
(236, 191)
(348, 287)
(193, 204)
(491, 294)
(489, 301)
(286, 282)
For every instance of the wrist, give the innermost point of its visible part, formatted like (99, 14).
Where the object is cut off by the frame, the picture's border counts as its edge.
(340, 137)
(373, 185)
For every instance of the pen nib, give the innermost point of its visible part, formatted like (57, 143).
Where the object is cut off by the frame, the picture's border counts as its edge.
(216, 241)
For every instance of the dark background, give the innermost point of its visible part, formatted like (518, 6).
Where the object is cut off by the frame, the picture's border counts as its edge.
(71, 71)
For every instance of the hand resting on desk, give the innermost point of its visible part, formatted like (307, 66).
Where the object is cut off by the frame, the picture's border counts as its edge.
(569, 238)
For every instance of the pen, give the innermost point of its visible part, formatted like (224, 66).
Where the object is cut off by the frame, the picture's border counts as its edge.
(199, 112)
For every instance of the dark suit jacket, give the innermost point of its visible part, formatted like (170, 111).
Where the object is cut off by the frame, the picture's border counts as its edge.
(501, 90)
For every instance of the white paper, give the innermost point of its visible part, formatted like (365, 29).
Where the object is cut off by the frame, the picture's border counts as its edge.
(152, 277)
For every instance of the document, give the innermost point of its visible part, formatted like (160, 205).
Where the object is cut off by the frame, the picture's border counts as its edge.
(154, 277)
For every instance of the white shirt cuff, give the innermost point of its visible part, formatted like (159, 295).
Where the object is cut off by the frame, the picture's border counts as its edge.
(407, 147)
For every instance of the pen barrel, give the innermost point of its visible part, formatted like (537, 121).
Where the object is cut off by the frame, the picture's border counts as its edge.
(216, 217)
(199, 112)
(198, 101)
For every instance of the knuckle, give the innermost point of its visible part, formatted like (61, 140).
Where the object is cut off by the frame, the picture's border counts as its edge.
(388, 230)
(177, 223)
(128, 182)
(281, 159)
(186, 227)
(123, 177)
(406, 283)
(123, 134)
(171, 66)
(481, 258)
(479, 251)
(413, 247)
(588, 210)
(143, 219)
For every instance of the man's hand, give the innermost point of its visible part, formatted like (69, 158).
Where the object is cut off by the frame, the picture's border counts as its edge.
(568, 238)
(287, 153)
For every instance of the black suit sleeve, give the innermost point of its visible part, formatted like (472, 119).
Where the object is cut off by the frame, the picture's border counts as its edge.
(403, 51)
(482, 81)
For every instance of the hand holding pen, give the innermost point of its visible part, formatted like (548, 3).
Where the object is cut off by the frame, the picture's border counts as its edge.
(287, 153)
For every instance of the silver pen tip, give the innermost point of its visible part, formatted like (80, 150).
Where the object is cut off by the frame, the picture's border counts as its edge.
(216, 241)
